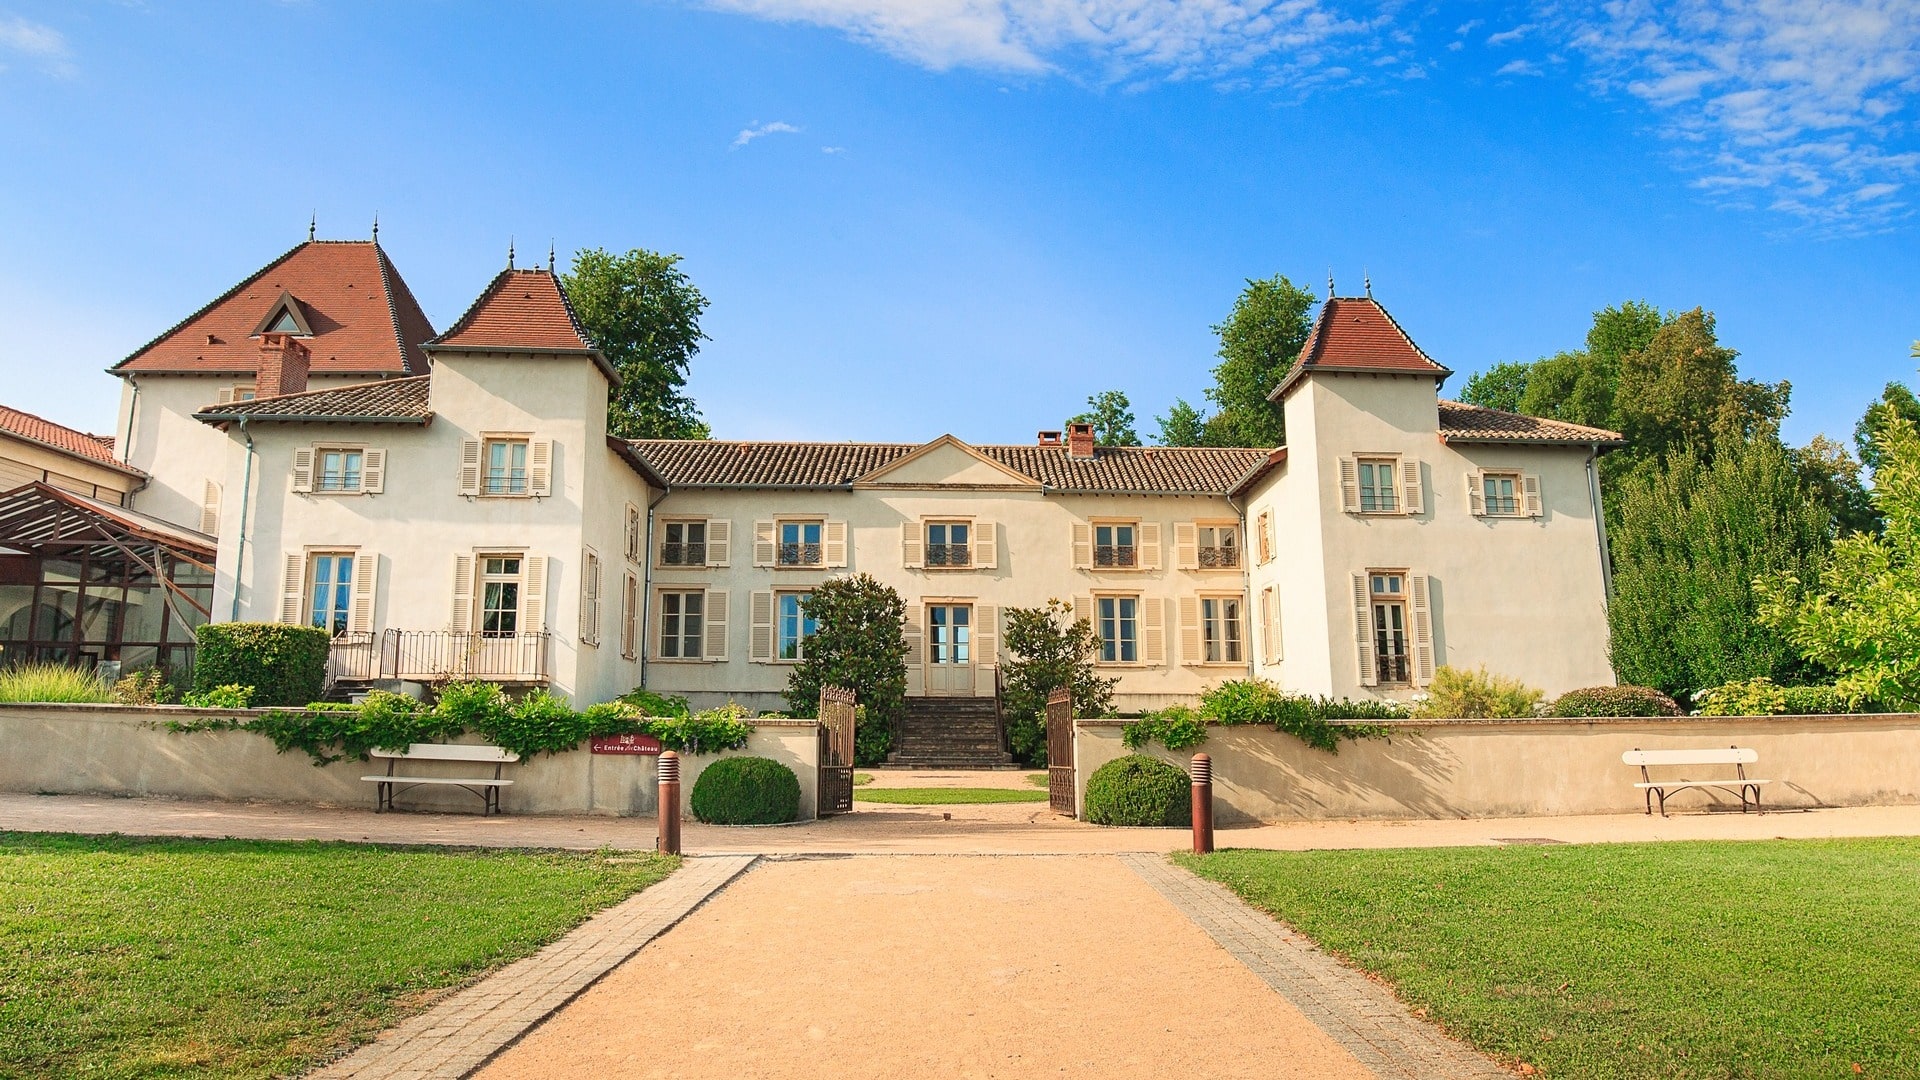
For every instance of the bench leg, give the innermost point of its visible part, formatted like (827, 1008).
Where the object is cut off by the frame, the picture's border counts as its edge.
(1649, 802)
(1662, 792)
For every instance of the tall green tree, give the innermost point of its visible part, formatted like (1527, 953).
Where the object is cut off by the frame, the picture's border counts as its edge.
(1501, 386)
(1046, 648)
(1895, 401)
(1111, 415)
(1682, 389)
(1259, 341)
(1832, 477)
(1183, 425)
(859, 643)
(643, 312)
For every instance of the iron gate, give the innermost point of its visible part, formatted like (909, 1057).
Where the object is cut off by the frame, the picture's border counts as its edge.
(1060, 751)
(836, 750)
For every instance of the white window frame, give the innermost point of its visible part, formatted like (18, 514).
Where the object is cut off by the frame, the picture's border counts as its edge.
(342, 611)
(948, 525)
(1393, 493)
(780, 525)
(1515, 502)
(485, 576)
(320, 452)
(487, 488)
(1383, 598)
(1236, 543)
(675, 599)
(780, 596)
(1120, 619)
(1215, 640)
(667, 526)
(1134, 559)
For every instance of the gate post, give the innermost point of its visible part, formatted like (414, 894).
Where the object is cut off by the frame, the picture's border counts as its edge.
(1202, 774)
(669, 843)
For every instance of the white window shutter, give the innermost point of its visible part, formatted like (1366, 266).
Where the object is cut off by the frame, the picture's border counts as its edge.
(629, 616)
(366, 576)
(1082, 546)
(1153, 631)
(470, 467)
(719, 542)
(534, 596)
(986, 635)
(373, 471)
(715, 647)
(1191, 650)
(631, 535)
(912, 549)
(210, 509)
(1349, 486)
(1186, 545)
(760, 639)
(1150, 545)
(303, 468)
(1363, 631)
(833, 546)
(763, 546)
(1413, 501)
(587, 615)
(1476, 494)
(293, 587)
(540, 467)
(225, 396)
(1266, 536)
(1530, 486)
(462, 592)
(1270, 624)
(1083, 609)
(986, 545)
(1422, 629)
(915, 639)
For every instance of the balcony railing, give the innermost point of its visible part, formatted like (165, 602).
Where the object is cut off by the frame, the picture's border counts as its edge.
(1219, 558)
(1114, 555)
(800, 555)
(354, 657)
(949, 555)
(461, 654)
(684, 554)
(1392, 669)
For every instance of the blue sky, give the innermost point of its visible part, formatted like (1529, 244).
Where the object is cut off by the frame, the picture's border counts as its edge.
(918, 216)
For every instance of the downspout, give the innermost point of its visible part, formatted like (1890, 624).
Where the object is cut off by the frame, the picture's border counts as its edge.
(646, 583)
(133, 420)
(1599, 521)
(240, 549)
(1246, 581)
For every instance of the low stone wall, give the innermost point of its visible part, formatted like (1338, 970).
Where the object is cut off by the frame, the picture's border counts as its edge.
(1525, 768)
(127, 750)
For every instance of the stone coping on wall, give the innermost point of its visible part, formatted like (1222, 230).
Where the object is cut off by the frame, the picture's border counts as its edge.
(1570, 721)
(176, 711)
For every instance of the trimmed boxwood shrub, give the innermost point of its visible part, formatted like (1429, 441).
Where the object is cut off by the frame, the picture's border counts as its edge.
(1615, 701)
(1139, 790)
(285, 665)
(746, 791)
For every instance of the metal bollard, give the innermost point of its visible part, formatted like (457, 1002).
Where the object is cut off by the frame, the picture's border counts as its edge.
(669, 803)
(1202, 774)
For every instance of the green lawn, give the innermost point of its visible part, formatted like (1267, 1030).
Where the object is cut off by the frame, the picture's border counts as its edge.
(1038, 779)
(1761, 960)
(160, 958)
(862, 778)
(947, 796)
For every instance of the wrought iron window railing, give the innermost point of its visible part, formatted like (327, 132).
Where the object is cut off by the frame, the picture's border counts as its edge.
(353, 656)
(1114, 555)
(683, 554)
(800, 555)
(337, 482)
(949, 555)
(510, 482)
(1392, 669)
(1219, 558)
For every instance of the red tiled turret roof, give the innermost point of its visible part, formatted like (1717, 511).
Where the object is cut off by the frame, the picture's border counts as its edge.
(523, 311)
(1354, 333)
(365, 320)
(97, 449)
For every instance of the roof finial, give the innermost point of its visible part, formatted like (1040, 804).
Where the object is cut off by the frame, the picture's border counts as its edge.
(549, 256)
(509, 252)
(376, 226)
(313, 222)
(1329, 282)
(1369, 282)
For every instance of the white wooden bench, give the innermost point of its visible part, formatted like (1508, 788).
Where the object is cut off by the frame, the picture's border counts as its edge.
(1738, 784)
(488, 788)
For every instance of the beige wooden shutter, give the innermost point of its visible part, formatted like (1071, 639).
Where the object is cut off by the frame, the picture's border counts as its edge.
(540, 467)
(630, 616)
(1530, 486)
(534, 594)
(1082, 546)
(631, 536)
(293, 586)
(1150, 545)
(366, 576)
(225, 396)
(1422, 629)
(1363, 631)
(1413, 501)
(303, 468)
(470, 467)
(1192, 650)
(1083, 610)
(760, 639)
(1266, 536)
(1270, 624)
(912, 547)
(1153, 631)
(915, 638)
(763, 546)
(589, 618)
(210, 509)
(986, 634)
(833, 548)
(1349, 486)
(462, 592)
(719, 542)
(715, 647)
(1476, 494)
(986, 545)
(1186, 545)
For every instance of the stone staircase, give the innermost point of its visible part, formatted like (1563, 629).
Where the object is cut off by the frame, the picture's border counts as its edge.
(949, 733)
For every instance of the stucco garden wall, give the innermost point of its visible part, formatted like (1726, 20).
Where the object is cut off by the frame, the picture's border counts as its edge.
(122, 750)
(1519, 768)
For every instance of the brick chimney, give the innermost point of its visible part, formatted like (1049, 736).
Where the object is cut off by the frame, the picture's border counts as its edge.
(1080, 441)
(1049, 438)
(284, 361)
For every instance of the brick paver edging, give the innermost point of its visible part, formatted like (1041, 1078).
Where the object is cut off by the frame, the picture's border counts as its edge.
(462, 1033)
(1358, 1013)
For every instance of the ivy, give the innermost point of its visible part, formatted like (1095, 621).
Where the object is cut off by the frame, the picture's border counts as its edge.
(1240, 702)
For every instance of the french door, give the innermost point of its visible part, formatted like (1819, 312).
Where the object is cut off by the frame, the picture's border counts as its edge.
(949, 646)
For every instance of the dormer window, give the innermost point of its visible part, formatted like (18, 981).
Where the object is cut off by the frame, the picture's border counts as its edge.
(284, 324)
(284, 317)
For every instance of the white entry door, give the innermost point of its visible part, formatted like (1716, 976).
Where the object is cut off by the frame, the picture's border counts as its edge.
(949, 650)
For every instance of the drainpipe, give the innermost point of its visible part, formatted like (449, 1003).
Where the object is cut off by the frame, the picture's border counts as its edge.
(240, 550)
(646, 584)
(1599, 520)
(133, 418)
(1246, 580)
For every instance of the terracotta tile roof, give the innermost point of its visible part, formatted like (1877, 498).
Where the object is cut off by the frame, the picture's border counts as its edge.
(1354, 333)
(1158, 469)
(95, 449)
(364, 318)
(519, 309)
(390, 401)
(1471, 423)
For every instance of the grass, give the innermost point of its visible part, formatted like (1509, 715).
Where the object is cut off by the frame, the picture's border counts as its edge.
(1759, 960)
(948, 796)
(162, 958)
(1038, 779)
(52, 682)
(862, 778)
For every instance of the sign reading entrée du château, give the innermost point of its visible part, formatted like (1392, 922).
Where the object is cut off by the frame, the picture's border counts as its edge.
(625, 744)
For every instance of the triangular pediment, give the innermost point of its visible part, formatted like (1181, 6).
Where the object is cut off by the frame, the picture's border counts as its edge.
(946, 462)
(286, 316)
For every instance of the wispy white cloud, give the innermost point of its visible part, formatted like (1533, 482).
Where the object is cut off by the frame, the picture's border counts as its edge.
(833, 149)
(38, 43)
(758, 130)
(1520, 67)
(1507, 37)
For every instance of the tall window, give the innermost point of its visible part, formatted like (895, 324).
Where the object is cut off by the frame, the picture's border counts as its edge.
(684, 543)
(500, 595)
(949, 633)
(681, 616)
(1119, 629)
(339, 470)
(506, 464)
(1113, 545)
(1389, 597)
(1501, 493)
(793, 626)
(1220, 628)
(947, 544)
(800, 543)
(330, 591)
(1379, 491)
(1219, 547)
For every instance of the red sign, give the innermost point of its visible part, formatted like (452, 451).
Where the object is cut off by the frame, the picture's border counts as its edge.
(625, 744)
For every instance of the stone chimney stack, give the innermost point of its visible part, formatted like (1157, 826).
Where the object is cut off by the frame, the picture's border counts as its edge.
(284, 362)
(1080, 441)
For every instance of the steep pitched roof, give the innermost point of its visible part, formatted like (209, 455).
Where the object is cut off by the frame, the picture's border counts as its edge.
(523, 311)
(390, 401)
(1473, 424)
(93, 449)
(1354, 333)
(364, 318)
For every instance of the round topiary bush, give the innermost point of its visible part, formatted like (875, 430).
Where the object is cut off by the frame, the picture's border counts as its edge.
(1139, 790)
(746, 791)
(1615, 701)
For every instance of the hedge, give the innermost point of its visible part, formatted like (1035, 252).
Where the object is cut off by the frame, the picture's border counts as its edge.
(285, 665)
(1139, 790)
(746, 791)
(1615, 701)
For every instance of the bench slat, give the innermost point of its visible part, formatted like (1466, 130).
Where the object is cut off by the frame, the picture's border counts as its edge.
(463, 781)
(1729, 756)
(451, 752)
(1670, 785)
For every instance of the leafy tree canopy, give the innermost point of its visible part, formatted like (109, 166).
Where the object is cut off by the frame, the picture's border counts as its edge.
(1111, 415)
(1259, 341)
(1183, 425)
(1501, 386)
(1046, 647)
(1895, 400)
(643, 312)
(859, 643)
